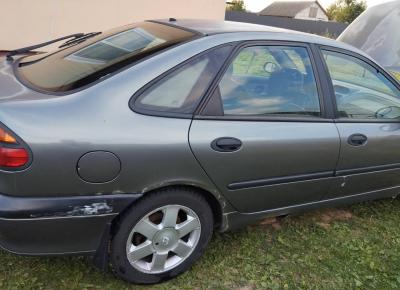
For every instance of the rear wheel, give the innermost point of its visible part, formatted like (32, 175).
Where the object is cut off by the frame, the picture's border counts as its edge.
(161, 236)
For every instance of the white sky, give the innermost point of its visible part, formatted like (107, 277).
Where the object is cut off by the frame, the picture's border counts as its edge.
(258, 5)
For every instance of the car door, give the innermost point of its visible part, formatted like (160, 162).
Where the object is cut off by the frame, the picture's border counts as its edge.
(367, 102)
(262, 136)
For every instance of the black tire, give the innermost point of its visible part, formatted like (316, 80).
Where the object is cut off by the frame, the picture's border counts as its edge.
(179, 196)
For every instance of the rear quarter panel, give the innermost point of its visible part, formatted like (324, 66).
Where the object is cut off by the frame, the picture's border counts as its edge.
(154, 151)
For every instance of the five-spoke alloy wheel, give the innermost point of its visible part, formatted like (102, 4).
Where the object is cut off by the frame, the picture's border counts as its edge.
(161, 236)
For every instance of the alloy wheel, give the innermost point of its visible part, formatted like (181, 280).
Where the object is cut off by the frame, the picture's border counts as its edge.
(163, 239)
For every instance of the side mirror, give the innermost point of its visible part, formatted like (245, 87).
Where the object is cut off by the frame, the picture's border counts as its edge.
(270, 67)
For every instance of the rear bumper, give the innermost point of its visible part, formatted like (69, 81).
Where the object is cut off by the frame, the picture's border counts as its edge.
(58, 225)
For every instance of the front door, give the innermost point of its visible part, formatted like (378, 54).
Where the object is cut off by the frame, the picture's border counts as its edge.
(368, 121)
(262, 137)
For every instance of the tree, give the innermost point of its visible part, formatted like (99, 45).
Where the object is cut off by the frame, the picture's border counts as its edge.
(236, 5)
(346, 10)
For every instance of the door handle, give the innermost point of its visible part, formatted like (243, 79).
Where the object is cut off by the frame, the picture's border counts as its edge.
(357, 139)
(226, 144)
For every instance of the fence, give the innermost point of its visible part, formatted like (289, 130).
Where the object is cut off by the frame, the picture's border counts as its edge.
(325, 28)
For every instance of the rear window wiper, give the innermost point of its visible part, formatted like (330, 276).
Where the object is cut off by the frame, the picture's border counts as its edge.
(30, 48)
(76, 38)
(79, 39)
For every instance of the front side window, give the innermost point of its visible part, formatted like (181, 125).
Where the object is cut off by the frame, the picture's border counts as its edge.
(361, 91)
(181, 90)
(270, 80)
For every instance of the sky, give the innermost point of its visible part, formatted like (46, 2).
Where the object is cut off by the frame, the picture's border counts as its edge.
(258, 5)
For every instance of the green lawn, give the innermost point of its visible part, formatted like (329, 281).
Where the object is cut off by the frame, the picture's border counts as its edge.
(348, 248)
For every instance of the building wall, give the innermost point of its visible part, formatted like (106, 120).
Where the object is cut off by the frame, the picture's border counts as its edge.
(27, 22)
(305, 13)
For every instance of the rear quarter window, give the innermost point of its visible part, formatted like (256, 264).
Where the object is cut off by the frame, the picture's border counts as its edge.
(180, 90)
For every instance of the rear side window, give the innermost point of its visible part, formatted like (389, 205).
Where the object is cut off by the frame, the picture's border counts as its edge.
(181, 90)
(83, 63)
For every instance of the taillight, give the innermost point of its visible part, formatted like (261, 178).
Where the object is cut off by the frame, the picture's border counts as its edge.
(13, 157)
(12, 153)
(6, 137)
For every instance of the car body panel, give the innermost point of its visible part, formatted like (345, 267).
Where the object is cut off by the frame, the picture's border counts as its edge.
(300, 148)
(372, 166)
(237, 220)
(84, 221)
(33, 115)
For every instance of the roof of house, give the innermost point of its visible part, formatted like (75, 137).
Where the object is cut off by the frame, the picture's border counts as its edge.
(287, 8)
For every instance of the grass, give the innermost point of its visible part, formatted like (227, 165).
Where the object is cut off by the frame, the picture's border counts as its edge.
(350, 248)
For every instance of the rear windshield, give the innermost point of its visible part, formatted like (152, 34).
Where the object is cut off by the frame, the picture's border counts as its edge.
(81, 64)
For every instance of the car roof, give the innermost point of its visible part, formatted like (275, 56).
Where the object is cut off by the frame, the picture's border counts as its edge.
(213, 27)
(209, 27)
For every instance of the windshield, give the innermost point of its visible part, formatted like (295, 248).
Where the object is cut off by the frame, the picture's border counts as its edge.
(81, 64)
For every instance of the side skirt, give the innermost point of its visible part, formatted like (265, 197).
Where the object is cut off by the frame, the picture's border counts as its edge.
(235, 220)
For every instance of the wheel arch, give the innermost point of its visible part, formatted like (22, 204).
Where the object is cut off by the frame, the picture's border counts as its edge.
(216, 201)
(219, 206)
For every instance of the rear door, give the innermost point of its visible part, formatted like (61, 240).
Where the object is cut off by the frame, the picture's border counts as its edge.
(263, 135)
(367, 102)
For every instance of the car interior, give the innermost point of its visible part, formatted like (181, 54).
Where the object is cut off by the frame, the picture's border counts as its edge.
(277, 86)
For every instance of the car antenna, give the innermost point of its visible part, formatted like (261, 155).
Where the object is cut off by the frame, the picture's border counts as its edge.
(10, 54)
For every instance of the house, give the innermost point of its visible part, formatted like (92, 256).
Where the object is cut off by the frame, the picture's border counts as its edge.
(310, 10)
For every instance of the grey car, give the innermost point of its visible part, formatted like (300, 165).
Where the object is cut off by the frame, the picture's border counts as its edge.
(134, 145)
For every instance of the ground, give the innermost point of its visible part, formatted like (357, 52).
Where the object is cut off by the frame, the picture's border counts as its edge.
(356, 247)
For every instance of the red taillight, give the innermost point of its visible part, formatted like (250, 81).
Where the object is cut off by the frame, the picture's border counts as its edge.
(12, 153)
(13, 157)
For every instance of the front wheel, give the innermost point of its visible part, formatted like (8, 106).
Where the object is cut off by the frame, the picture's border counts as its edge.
(161, 236)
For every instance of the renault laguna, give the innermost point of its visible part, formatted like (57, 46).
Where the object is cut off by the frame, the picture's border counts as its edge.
(134, 145)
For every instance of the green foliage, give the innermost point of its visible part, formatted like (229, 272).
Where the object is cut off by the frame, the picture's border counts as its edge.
(346, 10)
(396, 74)
(235, 5)
(350, 248)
